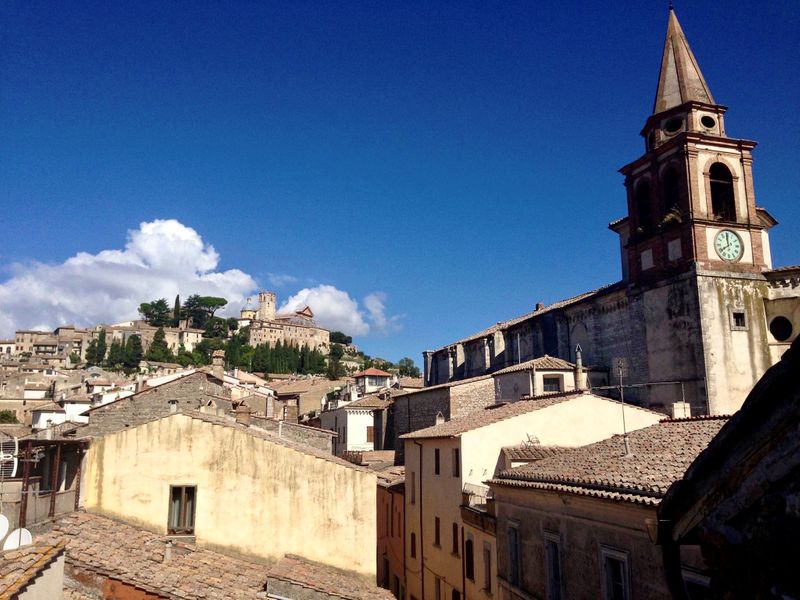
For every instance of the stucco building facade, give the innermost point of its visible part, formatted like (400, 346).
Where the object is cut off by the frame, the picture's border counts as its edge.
(296, 328)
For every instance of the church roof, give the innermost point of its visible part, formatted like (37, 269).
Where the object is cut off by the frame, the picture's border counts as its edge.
(680, 79)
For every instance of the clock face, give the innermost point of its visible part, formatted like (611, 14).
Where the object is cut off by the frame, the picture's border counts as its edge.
(728, 245)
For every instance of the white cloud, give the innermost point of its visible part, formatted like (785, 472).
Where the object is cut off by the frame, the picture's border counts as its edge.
(334, 309)
(375, 303)
(280, 279)
(161, 259)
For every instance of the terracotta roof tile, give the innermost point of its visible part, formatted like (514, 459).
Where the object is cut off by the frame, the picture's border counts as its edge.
(531, 451)
(325, 579)
(660, 455)
(544, 363)
(137, 557)
(370, 401)
(20, 566)
(489, 415)
(372, 372)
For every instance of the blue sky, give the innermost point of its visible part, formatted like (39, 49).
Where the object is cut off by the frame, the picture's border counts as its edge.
(454, 162)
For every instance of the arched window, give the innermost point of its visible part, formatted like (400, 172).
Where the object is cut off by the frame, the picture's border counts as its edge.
(722, 201)
(641, 203)
(469, 559)
(671, 195)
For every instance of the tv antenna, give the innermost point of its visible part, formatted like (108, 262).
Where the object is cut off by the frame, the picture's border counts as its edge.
(622, 404)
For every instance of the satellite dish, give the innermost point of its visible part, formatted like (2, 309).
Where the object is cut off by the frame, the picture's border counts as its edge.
(17, 538)
(9, 449)
(3, 526)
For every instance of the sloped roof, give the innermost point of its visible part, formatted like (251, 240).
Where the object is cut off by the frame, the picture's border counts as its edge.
(444, 385)
(21, 566)
(322, 578)
(531, 451)
(543, 363)
(372, 372)
(490, 415)
(136, 557)
(369, 401)
(660, 455)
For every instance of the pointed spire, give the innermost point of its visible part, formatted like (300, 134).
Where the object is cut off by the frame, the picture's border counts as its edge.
(680, 79)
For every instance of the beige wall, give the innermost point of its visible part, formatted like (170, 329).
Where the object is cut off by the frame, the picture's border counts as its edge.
(255, 498)
(48, 583)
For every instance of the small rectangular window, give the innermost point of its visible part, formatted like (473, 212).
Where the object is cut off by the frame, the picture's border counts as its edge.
(456, 462)
(181, 509)
(370, 434)
(738, 320)
(455, 539)
(412, 482)
(436, 461)
(552, 558)
(436, 531)
(487, 567)
(413, 545)
(616, 575)
(552, 384)
(437, 588)
(514, 559)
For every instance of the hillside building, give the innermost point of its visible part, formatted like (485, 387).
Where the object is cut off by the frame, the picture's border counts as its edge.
(296, 328)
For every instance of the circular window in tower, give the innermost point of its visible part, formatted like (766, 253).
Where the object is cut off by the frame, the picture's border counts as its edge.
(673, 125)
(708, 122)
(780, 328)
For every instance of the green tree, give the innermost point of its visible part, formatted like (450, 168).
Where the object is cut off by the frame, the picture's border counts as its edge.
(408, 368)
(184, 358)
(336, 352)
(133, 352)
(159, 350)
(116, 356)
(202, 351)
(91, 353)
(101, 346)
(199, 309)
(156, 312)
(8, 416)
(74, 358)
(335, 370)
(233, 323)
(337, 337)
(216, 328)
(176, 311)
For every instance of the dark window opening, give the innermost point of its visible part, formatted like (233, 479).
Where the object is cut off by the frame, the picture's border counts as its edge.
(553, 566)
(181, 509)
(456, 595)
(455, 538)
(456, 462)
(552, 384)
(670, 196)
(413, 545)
(673, 125)
(739, 320)
(722, 199)
(644, 213)
(780, 328)
(708, 122)
(436, 539)
(469, 560)
(616, 576)
(514, 561)
(436, 461)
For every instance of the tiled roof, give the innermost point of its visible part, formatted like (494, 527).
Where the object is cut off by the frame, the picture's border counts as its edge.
(489, 415)
(443, 385)
(554, 306)
(660, 455)
(372, 372)
(783, 269)
(410, 382)
(322, 578)
(391, 475)
(49, 407)
(531, 451)
(137, 557)
(544, 363)
(370, 401)
(21, 566)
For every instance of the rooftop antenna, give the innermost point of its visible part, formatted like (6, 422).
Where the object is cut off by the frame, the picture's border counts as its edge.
(622, 405)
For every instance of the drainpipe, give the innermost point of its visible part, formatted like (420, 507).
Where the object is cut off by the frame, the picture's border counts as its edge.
(464, 565)
(421, 526)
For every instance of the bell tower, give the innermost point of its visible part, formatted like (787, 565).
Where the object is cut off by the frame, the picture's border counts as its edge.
(691, 203)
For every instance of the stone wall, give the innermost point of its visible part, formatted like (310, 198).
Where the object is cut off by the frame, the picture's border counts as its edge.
(188, 393)
(321, 439)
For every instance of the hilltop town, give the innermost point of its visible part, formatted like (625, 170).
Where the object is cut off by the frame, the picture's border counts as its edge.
(633, 441)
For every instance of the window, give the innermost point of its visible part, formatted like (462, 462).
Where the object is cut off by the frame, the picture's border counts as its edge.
(781, 328)
(413, 545)
(616, 578)
(552, 384)
(487, 567)
(738, 319)
(436, 531)
(513, 555)
(455, 595)
(436, 461)
(552, 560)
(722, 201)
(413, 484)
(469, 559)
(370, 434)
(456, 462)
(437, 588)
(181, 509)
(642, 206)
(385, 582)
(670, 195)
(455, 539)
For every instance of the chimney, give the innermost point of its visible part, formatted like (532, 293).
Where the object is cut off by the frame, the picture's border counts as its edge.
(539, 305)
(681, 410)
(580, 374)
(217, 364)
(242, 413)
(440, 418)
(167, 551)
